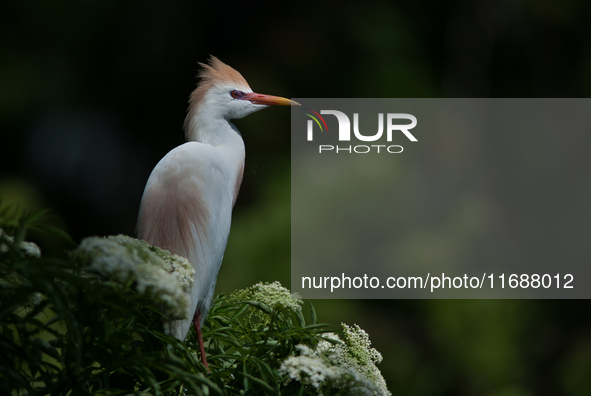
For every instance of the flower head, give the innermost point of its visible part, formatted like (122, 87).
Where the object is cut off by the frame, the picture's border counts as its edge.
(271, 294)
(27, 249)
(308, 370)
(348, 365)
(153, 270)
(276, 296)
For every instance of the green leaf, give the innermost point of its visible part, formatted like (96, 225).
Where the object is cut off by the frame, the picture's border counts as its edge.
(265, 369)
(300, 317)
(259, 382)
(46, 347)
(259, 305)
(54, 231)
(316, 326)
(240, 311)
(313, 319)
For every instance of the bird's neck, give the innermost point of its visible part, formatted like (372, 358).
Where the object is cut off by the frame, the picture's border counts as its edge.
(216, 131)
(224, 136)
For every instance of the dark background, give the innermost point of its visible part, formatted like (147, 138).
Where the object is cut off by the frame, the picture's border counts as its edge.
(94, 93)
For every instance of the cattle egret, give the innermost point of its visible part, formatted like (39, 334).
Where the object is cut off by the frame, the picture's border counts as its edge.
(187, 204)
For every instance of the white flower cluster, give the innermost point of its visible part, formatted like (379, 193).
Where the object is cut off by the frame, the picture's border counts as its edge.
(309, 368)
(272, 294)
(348, 365)
(153, 270)
(28, 249)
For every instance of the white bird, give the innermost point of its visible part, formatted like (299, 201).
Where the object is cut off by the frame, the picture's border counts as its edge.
(187, 204)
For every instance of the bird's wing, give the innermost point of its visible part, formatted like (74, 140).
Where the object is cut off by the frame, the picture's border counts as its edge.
(186, 209)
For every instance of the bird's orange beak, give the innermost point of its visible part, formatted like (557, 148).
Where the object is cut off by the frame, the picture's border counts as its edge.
(269, 100)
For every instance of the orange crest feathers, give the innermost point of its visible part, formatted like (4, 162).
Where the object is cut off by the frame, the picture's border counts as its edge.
(218, 71)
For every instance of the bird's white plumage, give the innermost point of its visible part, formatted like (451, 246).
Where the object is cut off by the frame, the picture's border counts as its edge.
(187, 203)
(186, 208)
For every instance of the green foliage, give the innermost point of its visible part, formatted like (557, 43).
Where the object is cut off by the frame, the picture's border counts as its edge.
(66, 328)
(16, 221)
(151, 270)
(245, 353)
(62, 330)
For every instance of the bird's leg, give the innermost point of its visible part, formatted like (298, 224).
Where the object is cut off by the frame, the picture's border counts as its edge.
(197, 323)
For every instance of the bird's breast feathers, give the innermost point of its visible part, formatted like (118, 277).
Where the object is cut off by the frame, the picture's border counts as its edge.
(186, 206)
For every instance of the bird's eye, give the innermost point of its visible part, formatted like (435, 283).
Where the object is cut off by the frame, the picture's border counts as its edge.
(236, 94)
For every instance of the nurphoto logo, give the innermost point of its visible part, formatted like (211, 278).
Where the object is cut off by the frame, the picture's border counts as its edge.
(344, 134)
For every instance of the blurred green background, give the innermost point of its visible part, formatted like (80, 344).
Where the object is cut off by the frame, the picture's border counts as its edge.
(94, 93)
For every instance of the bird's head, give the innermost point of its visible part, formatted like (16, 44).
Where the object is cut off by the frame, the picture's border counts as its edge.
(223, 93)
